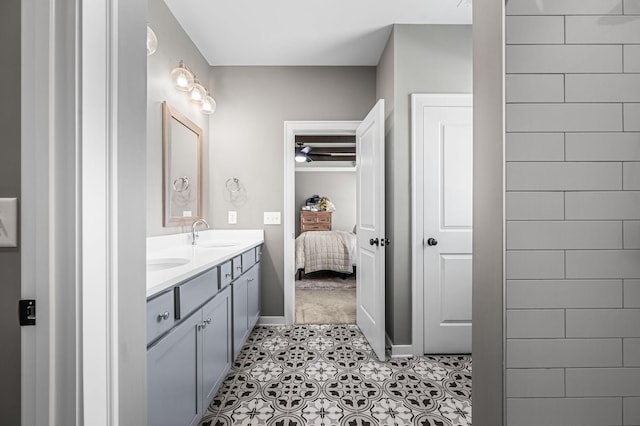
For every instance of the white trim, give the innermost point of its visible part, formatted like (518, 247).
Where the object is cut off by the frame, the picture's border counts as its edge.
(37, 371)
(271, 321)
(325, 169)
(291, 129)
(98, 100)
(50, 357)
(419, 100)
(399, 351)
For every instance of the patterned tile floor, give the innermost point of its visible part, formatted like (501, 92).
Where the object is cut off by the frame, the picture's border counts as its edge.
(325, 375)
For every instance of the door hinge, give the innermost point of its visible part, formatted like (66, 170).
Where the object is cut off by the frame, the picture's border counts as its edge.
(27, 312)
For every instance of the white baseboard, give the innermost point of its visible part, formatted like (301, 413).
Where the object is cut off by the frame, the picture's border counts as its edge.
(271, 321)
(399, 351)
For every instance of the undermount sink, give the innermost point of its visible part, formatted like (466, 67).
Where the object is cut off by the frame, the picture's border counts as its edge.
(165, 263)
(217, 244)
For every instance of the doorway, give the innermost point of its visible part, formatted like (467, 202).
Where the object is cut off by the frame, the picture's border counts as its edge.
(325, 214)
(292, 205)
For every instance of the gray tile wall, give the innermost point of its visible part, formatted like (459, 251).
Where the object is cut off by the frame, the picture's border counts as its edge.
(573, 212)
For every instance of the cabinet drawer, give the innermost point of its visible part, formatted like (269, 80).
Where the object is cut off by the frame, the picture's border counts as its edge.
(248, 259)
(236, 264)
(196, 291)
(324, 219)
(308, 219)
(316, 227)
(160, 315)
(225, 274)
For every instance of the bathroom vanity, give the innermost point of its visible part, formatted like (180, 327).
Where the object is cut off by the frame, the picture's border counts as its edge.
(203, 300)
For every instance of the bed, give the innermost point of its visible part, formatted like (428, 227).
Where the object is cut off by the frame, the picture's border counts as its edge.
(326, 251)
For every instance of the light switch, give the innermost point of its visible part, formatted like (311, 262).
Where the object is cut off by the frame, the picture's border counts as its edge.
(8, 222)
(233, 217)
(272, 218)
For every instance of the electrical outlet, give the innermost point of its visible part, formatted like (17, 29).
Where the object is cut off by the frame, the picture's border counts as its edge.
(8, 222)
(233, 217)
(272, 218)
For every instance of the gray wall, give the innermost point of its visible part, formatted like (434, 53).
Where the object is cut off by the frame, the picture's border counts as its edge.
(339, 187)
(426, 59)
(573, 211)
(173, 45)
(10, 187)
(385, 89)
(247, 141)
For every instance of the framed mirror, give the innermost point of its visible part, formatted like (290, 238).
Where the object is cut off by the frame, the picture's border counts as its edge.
(182, 168)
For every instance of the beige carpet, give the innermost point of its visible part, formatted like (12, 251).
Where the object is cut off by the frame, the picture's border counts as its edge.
(326, 306)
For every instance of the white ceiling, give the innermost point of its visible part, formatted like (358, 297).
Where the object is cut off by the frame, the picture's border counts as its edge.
(305, 32)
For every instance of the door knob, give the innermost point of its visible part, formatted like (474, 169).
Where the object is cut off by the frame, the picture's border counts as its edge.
(432, 242)
(374, 241)
(384, 242)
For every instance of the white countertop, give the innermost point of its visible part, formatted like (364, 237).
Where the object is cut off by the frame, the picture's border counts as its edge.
(223, 245)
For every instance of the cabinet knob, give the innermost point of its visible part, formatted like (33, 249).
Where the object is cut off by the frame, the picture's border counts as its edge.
(208, 321)
(239, 268)
(164, 316)
(227, 275)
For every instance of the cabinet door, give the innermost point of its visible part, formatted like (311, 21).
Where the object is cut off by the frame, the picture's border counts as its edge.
(216, 344)
(173, 376)
(253, 295)
(240, 314)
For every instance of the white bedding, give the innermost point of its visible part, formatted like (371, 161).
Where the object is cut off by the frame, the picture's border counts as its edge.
(326, 251)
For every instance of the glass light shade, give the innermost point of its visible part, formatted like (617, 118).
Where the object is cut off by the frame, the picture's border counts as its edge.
(152, 41)
(300, 158)
(182, 78)
(208, 105)
(198, 92)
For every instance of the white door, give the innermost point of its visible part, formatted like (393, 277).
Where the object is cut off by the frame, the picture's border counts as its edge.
(370, 232)
(447, 205)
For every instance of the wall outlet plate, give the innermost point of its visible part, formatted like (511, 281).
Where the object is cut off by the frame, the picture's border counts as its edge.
(272, 218)
(8, 222)
(233, 217)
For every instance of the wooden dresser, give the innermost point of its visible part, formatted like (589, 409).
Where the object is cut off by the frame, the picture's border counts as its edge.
(315, 221)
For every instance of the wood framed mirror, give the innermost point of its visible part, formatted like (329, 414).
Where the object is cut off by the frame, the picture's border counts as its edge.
(182, 168)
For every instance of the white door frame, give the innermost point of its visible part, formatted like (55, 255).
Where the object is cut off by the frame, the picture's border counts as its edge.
(291, 129)
(417, 211)
(83, 140)
(38, 378)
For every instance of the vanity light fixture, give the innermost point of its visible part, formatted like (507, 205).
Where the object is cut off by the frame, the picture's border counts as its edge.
(208, 105)
(182, 78)
(185, 80)
(198, 92)
(152, 41)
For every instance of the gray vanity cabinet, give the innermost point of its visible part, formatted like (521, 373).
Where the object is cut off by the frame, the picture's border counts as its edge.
(246, 299)
(240, 314)
(173, 376)
(253, 295)
(194, 332)
(185, 367)
(216, 344)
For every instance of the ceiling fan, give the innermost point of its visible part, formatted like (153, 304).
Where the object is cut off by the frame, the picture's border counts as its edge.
(304, 153)
(302, 156)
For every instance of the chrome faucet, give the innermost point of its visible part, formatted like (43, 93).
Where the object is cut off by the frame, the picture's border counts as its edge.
(194, 232)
